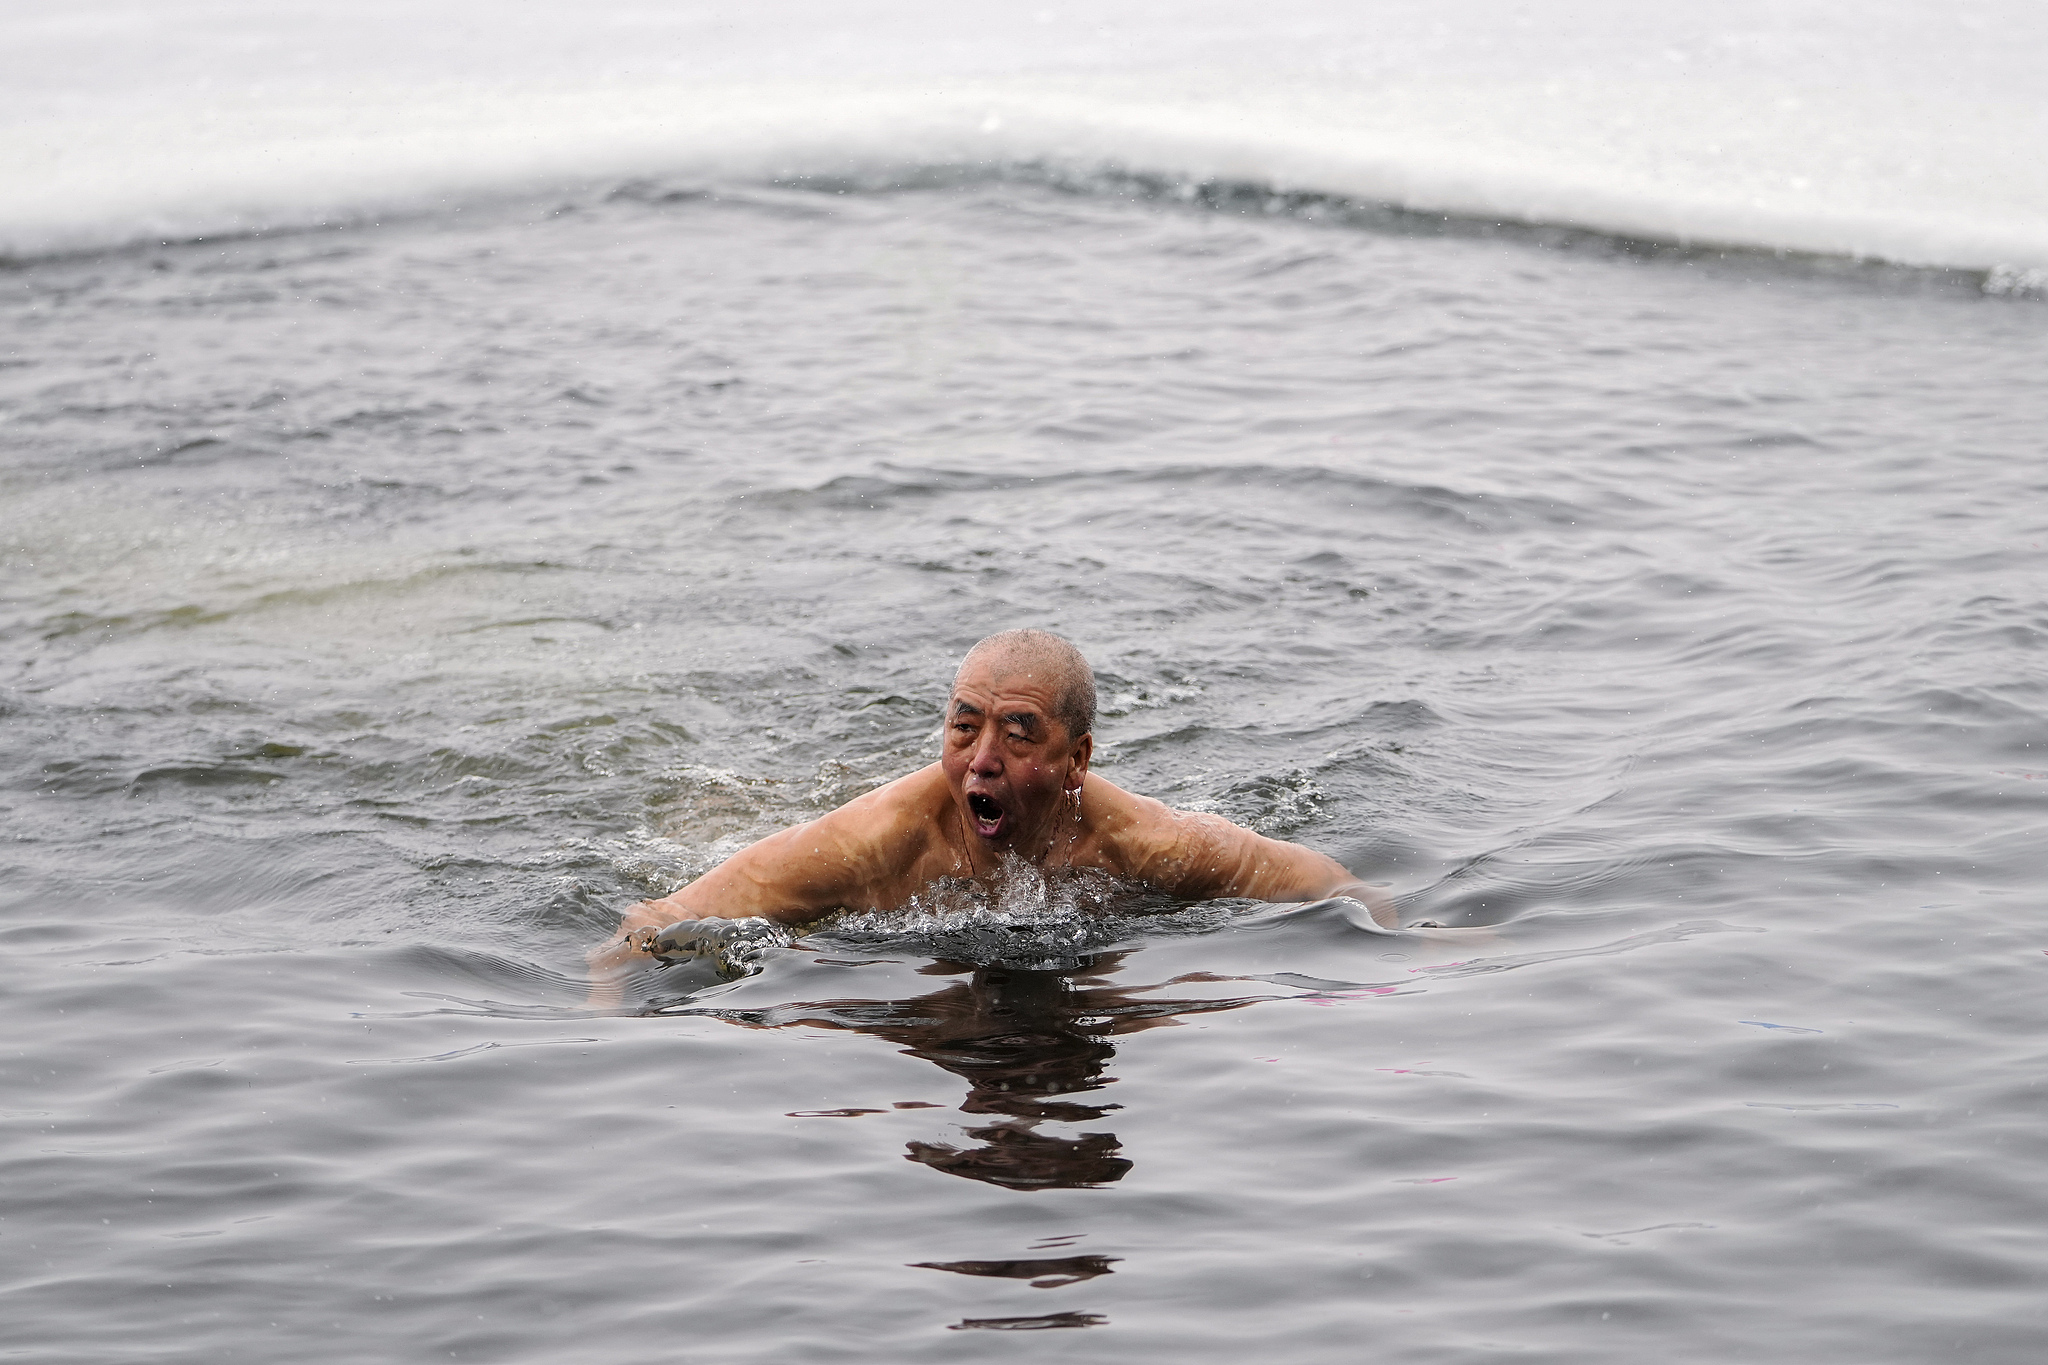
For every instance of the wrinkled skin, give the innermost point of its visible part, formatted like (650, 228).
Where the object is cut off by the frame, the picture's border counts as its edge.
(1014, 773)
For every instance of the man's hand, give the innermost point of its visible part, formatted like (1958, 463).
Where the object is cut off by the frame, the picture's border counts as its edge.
(613, 960)
(1375, 899)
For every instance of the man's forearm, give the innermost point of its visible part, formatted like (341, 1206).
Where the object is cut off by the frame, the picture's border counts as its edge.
(1276, 870)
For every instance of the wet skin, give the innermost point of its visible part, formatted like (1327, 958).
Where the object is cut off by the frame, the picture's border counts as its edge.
(1011, 781)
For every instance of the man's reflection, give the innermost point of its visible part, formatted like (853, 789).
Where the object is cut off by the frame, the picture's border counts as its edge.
(1022, 1038)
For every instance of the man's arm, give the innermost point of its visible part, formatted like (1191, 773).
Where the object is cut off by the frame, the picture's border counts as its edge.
(793, 877)
(1227, 860)
(1203, 857)
(840, 859)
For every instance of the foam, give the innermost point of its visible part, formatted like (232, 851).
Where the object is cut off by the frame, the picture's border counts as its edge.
(1898, 131)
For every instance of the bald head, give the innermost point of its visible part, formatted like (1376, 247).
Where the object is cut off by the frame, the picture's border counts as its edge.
(1051, 659)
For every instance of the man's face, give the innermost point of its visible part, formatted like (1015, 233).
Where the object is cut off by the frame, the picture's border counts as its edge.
(1009, 763)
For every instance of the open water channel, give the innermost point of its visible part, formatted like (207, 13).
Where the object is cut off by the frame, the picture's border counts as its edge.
(382, 610)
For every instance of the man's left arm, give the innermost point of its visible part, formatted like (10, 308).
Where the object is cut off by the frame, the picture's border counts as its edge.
(1219, 858)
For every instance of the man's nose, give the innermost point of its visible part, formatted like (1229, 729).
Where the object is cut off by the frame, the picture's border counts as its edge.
(987, 760)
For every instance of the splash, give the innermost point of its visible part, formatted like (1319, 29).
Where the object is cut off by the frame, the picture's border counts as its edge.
(1022, 915)
(733, 947)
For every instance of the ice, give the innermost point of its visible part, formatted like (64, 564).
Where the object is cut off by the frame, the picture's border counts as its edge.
(1904, 131)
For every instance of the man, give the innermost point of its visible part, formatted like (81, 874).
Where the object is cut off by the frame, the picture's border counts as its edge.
(1012, 787)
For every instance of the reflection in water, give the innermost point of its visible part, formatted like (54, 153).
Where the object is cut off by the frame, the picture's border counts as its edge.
(1049, 1272)
(1022, 1039)
(1019, 1159)
(1037, 1324)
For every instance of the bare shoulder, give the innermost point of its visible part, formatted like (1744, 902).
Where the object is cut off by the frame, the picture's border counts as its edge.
(1201, 856)
(876, 834)
(893, 825)
(1143, 838)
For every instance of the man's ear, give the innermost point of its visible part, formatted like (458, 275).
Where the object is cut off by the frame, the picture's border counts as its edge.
(1084, 749)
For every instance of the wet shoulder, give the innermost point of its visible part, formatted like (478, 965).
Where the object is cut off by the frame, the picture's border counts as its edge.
(891, 827)
(1142, 838)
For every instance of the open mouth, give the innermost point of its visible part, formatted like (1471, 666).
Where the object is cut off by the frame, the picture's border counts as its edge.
(987, 813)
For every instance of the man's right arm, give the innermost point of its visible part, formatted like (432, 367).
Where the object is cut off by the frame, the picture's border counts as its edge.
(842, 859)
(793, 877)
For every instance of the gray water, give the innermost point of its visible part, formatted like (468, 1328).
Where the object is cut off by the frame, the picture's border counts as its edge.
(385, 608)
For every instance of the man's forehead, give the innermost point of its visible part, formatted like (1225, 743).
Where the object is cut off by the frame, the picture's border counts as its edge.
(1006, 690)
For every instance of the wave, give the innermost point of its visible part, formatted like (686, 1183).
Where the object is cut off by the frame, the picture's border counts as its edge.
(197, 128)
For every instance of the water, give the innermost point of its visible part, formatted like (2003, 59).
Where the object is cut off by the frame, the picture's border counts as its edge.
(384, 608)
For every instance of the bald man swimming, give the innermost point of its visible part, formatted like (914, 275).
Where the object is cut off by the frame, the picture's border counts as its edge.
(1012, 785)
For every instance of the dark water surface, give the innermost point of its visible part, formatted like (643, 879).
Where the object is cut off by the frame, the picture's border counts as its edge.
(384, 609)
